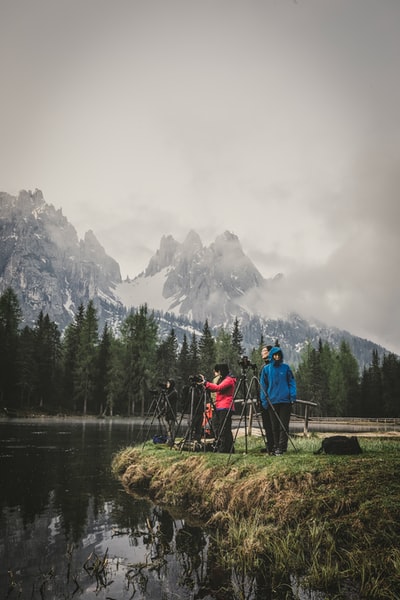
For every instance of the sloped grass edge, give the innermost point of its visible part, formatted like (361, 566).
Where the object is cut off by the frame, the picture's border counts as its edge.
(327, 519)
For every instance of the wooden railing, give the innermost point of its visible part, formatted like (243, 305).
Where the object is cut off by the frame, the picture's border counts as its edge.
(307, 412)
(249, 417)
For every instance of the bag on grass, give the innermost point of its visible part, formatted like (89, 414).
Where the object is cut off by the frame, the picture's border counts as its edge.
(340, 444)
(160, 439)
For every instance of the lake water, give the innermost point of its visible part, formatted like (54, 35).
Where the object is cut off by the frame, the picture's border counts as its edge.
(68, 530)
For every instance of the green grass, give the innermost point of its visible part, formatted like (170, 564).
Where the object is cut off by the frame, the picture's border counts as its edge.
(327, 519)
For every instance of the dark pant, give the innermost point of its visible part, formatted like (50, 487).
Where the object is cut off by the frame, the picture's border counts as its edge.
(196, 425)
(222, 426)
(280, 417)
(267, 424)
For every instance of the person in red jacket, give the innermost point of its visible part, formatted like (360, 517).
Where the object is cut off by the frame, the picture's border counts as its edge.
(223, 408)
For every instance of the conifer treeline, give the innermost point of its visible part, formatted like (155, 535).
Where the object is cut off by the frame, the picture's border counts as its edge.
(332, 379)
(84, 371)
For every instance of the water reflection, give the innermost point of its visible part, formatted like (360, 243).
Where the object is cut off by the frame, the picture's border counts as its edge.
(69, 530)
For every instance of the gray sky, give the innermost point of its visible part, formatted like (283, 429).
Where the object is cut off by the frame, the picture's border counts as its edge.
(275, 119)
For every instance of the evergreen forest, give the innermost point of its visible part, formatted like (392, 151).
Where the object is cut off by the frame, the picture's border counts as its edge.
(82, 371)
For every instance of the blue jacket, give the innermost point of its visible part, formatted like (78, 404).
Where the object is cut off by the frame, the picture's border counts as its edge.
(277, 382)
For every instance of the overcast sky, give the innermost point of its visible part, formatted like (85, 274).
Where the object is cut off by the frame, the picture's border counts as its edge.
(278, 120)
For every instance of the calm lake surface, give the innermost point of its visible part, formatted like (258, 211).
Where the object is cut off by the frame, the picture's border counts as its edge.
(69, 530)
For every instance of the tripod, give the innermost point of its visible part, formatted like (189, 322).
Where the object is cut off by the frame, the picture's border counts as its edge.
(198, 420)
(250, 397)
(161, 410)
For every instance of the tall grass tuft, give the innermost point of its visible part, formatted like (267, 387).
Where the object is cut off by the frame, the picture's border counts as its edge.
(326, 520)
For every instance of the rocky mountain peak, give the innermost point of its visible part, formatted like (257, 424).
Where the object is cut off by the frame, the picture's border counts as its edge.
(31, 201)
(220, 283)
(42, 259)
(51, 270)
(227, 238)
(164, 256)
(233, 266)
(203, 282)
(192, 244)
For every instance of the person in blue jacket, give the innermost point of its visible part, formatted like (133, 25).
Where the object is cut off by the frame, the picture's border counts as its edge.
(277, 394)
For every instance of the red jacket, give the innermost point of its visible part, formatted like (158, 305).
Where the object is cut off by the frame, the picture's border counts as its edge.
(225, 392)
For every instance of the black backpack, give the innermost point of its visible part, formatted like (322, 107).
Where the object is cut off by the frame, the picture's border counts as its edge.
(340, 444)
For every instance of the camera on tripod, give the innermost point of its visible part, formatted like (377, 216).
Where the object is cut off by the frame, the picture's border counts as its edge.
(245, 363)
(162, 385)
(195, 379)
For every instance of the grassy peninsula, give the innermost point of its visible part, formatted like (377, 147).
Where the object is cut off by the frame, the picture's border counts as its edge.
(334, 521)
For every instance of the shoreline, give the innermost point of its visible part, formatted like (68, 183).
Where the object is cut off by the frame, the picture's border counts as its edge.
(318, 516)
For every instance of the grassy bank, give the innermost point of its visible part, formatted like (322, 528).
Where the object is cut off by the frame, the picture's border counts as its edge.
(327, 519)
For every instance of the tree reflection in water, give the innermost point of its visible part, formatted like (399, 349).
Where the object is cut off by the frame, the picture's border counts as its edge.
(68, 530)
(196, 567)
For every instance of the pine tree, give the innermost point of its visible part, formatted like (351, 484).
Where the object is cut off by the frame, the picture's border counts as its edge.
(309, 378)
(337, 388)
(70, 347)
(391, 385)
(351, 377)
(184, 366)
(167, 357)
(372, 388)
(10, 319)
(47, 358)
(226, 352)
(207, 351)
(139, 336)
(363, 393)
(326, 357)
(255, 354)
(104, 371)
(302, 374)
(26, 359)
(115, 390)
(85, 372)
(316, 383)
(194, 355)
(237, 339)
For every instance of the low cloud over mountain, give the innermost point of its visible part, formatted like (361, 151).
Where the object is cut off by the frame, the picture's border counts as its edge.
(51, 270)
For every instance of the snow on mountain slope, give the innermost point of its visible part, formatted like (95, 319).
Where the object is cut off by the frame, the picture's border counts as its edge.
(146, 290)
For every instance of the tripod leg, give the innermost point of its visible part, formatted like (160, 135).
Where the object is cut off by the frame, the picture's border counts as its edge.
(171, 420)
(249, 394)
(274, 412)
(224, 441)
(281, 424)
(207, 427)
(153, 410)
(242, 384)
(267, 426)
(195, 413)
(263, 425)
(179, 423)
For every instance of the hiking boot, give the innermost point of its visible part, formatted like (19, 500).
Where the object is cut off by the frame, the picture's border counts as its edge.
(278, 452)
